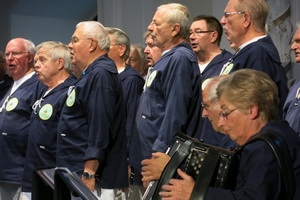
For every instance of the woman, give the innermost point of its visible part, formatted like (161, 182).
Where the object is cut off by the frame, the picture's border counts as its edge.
(248, 103)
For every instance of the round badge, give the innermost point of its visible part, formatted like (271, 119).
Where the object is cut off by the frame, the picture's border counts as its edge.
(46, 112)
(12, 104)
(151, 78)
(204, 84)
(228, 69)
(71, 99)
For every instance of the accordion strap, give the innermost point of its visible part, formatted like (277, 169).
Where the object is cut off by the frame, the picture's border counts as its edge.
(172, 166)
(282, 154)
(205, 175)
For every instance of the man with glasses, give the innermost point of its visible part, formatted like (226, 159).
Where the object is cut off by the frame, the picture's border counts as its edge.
(205, 37)
(91, 139)
(244, 23)
(5, 80)
(15, 112)
(291, 106)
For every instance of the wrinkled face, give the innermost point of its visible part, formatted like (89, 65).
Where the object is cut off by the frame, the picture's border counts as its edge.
(114, 52)
(296, 45)
(211, 110)
(233, 122)
(79, 49)
(153, 53)
(46, 68)
(18, 60)
(135, 61)
(160, 30)
(232, 23)
(199, 38)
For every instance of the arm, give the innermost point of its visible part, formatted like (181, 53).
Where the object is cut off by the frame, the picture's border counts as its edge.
(90, 166)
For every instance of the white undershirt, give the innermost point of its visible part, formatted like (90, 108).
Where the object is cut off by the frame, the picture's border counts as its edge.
(20, 81)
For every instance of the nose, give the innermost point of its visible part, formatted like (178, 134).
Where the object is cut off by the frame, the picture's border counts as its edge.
(294, 46)
(223, 20)
(150, 27)
(70, 46)
(204, 113)
(221, 121)
(146, 51)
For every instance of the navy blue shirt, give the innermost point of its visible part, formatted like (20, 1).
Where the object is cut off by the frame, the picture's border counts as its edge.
(259, 176)
(132, 84)
(41, 148)
(92, 125)
(262, 55)
(291, 107)
(167, 103)
(206, 132)
(14, 129)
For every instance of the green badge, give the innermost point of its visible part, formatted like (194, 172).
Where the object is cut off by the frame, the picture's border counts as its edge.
(228, 69)
(151, 78)
(12, 104)
(46, 112)
(71, 99)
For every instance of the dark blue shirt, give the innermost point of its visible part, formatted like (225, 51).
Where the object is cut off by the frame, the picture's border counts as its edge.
(41, 148)
(262, 55)
(258, 175)
(14, 129)
(167, 103)
(92, 125)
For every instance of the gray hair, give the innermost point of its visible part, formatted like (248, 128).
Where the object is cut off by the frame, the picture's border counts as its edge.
(95, 30)
(121, 38)
(58, 50)
(140, 51)
(29, 46)
(259, 12)
(178, 14)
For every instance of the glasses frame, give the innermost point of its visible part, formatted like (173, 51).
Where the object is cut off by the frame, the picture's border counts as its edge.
(225, 115)
(14, 54)
(227, 14)
(198, 32)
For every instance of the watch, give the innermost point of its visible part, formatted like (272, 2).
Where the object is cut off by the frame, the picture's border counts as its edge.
(88, 175)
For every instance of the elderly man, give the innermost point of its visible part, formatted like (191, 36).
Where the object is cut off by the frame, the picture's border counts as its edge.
(53, 68)
(153, 53)
(244, 23)
(168, 103)
(137, 59)
(5, 80)
(291, 108)
(91, 131)
(15, 112)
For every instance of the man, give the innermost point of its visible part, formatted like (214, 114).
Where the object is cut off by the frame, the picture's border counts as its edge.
(172, 88)
(137, 59)
(132, 82)
(290, 109)
(91, 130)
(153, 53)
(53, 67)
(5, 80)
(244, 24)
(205, 38)
(15, 115)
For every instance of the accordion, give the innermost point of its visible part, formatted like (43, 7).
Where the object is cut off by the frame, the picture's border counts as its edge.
(210, 166)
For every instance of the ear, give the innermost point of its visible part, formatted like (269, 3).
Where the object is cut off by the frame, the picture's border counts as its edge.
(93, 45)
(214, 36)
(254, 112)
(122, 49)
(176, 29)
(31, 58)
(247, 20)
(61, 63)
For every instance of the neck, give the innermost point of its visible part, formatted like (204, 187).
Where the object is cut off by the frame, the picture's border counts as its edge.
(208, 55)
(58, 79)
(121, 64)
(172, 43)
(253, 128)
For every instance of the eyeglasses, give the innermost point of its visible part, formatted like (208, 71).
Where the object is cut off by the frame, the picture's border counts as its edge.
(225, 115)
(14, 53)
(198, 33)
(204, 106)
(227, 14)
(76, 39)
